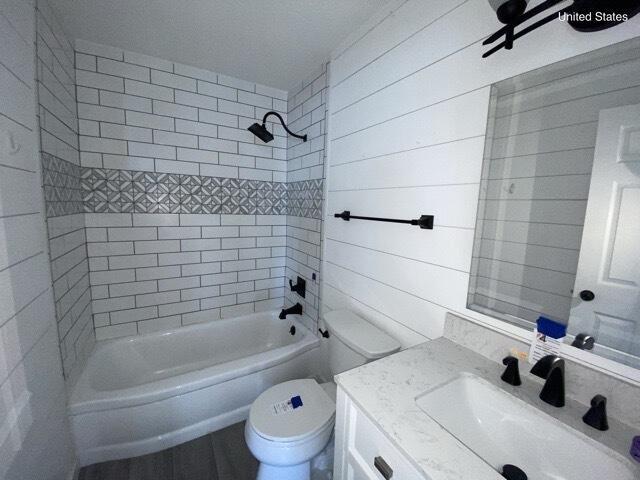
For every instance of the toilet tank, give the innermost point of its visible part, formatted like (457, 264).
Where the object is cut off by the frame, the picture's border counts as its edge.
(353, 341)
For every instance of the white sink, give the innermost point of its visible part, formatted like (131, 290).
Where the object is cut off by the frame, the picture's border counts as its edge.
(502, 429)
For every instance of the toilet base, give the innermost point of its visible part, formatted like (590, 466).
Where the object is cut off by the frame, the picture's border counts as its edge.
(293, 472)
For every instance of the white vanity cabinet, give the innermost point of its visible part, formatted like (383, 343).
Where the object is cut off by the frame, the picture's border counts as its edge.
(362, 451)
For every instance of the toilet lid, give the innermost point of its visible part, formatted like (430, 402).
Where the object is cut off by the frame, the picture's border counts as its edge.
(273, 417)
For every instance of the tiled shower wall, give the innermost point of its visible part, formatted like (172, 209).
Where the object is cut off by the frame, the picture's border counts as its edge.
(61, 175)
(305, 182)
(186, 209)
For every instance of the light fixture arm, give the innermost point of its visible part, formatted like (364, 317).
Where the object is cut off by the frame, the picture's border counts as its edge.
(264, 122)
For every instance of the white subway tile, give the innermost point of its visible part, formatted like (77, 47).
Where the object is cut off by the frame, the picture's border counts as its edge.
(133, 315)
(219, 232)
(255, 150)
(237, 310)
(193, 72)
(132, 288)
(85, 62)
(199, 219)
(142, 89)
(272, 92)
(132, 261)
(176, 139)
(125, 162)
(103, 145)
(121, 100)
(235, 160)
(149, 150)
(112, 276)
(218, 171)
(173, 81)
(124, 132)
(219, 91)
(155, 219)
(255, 99)
(239, 134)
(87, 95)
(201, 316)
(179, 283)
(122, 69)
(89, 127)
(157, 246)
(236, 83)
(218, 118)
(172, 166)
(196, 128)
(147, 61)
(99, 80)
(216, 302)
(172, 233)
(131, 233)
(157, 298)
(199, 156)
(238, 265)
(178, 258)
(236, 108)
(219, 255)
(201, 292)
(200, 244)
(149, 120)
(99, 113)
(155, 273)
(255, 174)
(107, 219)
(174, 110)
(238, 220)
(218, 145)
(201, 269)
(178, 308)
(196, 100)
(253, 296)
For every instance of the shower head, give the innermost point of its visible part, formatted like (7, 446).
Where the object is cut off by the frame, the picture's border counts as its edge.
(261, 132)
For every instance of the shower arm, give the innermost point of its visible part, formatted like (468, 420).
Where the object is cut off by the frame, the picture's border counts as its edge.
(264, 122)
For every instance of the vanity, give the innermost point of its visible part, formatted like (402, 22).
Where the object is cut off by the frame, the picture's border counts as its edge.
(440, 411)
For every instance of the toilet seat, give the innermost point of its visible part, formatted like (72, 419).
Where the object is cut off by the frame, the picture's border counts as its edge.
(273, 419)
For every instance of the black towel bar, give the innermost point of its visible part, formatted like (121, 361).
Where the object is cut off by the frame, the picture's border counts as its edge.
(424, 222)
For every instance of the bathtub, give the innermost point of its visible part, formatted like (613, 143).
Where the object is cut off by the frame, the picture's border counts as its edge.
(142, 394)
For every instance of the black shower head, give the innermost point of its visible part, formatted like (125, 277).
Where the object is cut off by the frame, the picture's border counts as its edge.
(261, 132)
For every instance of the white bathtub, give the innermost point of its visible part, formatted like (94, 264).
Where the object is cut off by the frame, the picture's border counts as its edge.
(142, 394)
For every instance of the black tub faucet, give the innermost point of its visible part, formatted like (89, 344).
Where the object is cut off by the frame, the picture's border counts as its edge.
(551, 368)
(295, 310)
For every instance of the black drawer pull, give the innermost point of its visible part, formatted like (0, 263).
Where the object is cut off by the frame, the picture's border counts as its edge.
(383, 467)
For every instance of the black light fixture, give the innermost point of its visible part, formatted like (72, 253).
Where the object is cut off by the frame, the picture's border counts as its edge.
(263, 134)
(582, 15)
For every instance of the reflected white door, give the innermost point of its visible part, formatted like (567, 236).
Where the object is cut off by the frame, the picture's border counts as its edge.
(609, 264)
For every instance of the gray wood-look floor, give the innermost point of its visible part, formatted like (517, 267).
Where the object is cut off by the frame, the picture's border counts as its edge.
(221, 455)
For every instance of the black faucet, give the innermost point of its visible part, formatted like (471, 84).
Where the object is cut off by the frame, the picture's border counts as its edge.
(596, 417)
(295, 310)
(511, 374)
(551, 368)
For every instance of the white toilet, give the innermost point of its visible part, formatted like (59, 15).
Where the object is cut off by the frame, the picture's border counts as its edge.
(285, 436)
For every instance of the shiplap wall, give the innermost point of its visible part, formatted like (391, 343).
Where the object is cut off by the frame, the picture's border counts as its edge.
(536, 183)
(58, 121)
(35, 440)
(408, 103)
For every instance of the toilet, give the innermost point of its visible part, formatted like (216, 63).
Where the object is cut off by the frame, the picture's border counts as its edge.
(291, 423)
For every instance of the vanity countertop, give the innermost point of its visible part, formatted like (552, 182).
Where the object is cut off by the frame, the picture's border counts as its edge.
(386, 391)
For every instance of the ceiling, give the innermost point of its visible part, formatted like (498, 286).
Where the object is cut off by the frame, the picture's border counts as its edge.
(272, 42)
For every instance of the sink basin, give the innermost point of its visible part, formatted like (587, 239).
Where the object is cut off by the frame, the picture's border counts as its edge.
(502, 429)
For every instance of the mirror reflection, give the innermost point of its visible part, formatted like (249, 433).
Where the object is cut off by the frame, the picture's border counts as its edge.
(558, 230)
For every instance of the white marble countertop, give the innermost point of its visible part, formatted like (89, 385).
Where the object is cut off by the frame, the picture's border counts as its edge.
(386, 390)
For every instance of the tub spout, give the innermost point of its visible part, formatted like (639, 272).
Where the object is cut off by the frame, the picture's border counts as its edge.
(295, 310)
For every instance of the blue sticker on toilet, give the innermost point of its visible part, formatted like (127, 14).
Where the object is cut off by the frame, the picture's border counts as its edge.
(296, 401)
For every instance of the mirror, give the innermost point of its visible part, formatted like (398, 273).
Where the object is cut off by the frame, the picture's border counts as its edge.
(558, 229)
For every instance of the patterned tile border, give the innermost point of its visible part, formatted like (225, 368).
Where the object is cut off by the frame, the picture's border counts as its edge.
(304, 199)
(62, 186)
(70, 189)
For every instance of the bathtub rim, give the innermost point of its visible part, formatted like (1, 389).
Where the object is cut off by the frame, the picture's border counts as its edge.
(85, 399)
